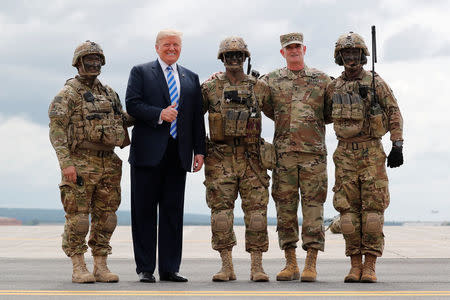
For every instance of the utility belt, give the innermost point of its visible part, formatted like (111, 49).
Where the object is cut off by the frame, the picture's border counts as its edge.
(238, 143)
(233, 141)
(94, 149)
(262, 150)
(359, 145)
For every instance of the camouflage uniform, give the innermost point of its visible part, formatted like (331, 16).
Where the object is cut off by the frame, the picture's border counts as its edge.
(361, 190)
(86, 123)
(296, 105)
(237, 159)
(233, 164)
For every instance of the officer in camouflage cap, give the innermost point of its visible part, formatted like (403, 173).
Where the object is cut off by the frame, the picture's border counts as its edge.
(296, 105)
(86, 123)
(237, 158)
(360, 120)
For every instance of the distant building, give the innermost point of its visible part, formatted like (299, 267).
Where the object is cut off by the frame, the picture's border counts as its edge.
(9, 221)
(424, 223)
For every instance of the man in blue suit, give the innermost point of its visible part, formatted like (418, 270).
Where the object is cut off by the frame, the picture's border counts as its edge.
(165, 99)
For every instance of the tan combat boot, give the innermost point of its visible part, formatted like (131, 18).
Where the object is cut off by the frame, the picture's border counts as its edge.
(309, 272)
(227, 271)
(291, 271)
(355, 272)
(101, 271)
(80, 272)
(257, 272)
(368, 271)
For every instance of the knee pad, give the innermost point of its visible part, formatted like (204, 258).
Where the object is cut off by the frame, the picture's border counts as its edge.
(81, 223)
(258, 222)
(347, 225)
(222, 221)
(374, 223)
(110, 223)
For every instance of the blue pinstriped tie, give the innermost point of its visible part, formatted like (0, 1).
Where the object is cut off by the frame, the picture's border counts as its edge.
(174, 97)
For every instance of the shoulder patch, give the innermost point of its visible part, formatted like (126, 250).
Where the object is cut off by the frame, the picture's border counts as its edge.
(57, 99)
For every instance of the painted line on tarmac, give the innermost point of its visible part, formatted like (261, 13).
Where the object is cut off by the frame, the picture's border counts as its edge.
(28, 239)
(226, 293)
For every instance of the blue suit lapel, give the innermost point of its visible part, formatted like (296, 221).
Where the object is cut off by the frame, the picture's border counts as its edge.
(182, 76)
(161, 80)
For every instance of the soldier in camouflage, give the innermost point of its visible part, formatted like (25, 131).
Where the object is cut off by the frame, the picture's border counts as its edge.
(233, 164)
(86, 123)
(296, 105)
(360, 120)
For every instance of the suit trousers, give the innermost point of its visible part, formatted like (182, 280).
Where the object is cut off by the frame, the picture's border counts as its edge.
(157, 197)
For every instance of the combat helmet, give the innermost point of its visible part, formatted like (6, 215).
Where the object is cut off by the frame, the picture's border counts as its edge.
(232, 43)
(87, 48)
(347, 41)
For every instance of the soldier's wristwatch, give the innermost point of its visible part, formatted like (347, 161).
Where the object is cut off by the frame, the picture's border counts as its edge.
(397, 144)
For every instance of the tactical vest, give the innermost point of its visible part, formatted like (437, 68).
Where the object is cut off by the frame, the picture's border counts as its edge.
(100, 121)
(235, 112)
(352, 108)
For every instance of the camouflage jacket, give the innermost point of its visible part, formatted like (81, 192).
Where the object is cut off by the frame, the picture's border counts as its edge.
(385, 97)
(213, 100)
(70, 116)
(212, 91)
(297, 105)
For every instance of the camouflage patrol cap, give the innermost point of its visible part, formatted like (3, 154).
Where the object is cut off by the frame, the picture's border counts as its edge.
(291, 38)
(87, 48)
(233, 43)
(350, 40)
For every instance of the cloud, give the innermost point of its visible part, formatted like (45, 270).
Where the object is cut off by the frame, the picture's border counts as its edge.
(413, 55)
(28, 164)
(36, 61)
(443, 50)
(410, 44)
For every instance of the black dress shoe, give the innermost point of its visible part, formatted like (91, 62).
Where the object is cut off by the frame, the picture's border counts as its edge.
(169, 276)
(146, 277)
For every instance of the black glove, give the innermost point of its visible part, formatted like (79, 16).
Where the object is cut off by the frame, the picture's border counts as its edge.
(395, 158)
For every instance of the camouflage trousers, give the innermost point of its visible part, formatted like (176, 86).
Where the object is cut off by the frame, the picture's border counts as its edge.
(307, 172)
(99, 196)
(228, 172)
(361, 195)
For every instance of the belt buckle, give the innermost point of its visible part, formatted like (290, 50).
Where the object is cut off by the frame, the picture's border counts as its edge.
(354, 146)
(237, 141)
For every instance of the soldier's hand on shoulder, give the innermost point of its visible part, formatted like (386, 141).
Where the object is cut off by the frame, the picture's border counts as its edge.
(213, 76)
(70, 174)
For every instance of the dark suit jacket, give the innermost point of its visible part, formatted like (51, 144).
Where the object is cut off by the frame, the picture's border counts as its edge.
(147, 95)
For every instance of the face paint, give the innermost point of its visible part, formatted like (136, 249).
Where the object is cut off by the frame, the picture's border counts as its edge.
(234, 59)
(90, 65)
(352, 60)
(351, 56)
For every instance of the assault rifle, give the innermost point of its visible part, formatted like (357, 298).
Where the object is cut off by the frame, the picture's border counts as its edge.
(250, 71)
(375, 107)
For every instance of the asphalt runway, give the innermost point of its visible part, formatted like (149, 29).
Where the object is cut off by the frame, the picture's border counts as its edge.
(32, 266)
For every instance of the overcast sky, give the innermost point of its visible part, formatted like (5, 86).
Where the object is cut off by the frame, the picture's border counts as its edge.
(38, 39)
